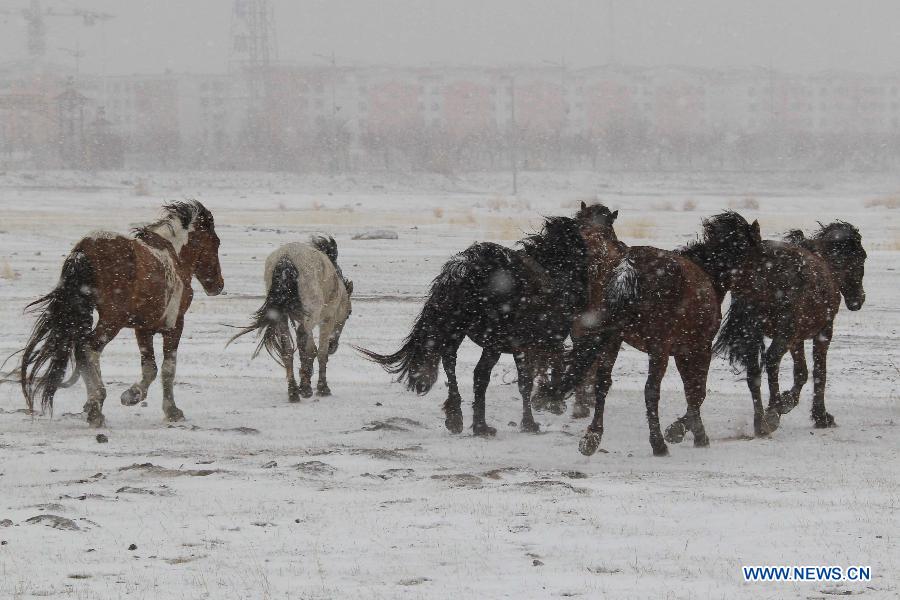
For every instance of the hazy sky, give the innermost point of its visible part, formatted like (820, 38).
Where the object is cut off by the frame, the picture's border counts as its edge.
(193, 35)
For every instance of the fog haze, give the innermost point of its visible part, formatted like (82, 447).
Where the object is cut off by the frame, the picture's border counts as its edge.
(799, 36)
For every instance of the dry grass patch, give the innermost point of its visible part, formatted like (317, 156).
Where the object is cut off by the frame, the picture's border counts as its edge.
(689, 205)
(891, 202)
(745, 203)
(639, 228)
(6, 271)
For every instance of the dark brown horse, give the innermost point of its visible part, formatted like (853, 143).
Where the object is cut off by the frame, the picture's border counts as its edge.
(662, 303)
(142, 282)
(791, 292)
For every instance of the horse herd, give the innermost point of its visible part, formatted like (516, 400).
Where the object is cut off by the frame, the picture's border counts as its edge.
(574, 280)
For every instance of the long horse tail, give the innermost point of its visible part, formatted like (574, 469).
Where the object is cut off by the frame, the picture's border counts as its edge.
(281, 309)
(740, 340)
(64, 323)
(442, 323)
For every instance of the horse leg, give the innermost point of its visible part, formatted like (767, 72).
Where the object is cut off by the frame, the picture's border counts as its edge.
(788, 400)
(694, 369)
(138, 392)
(543, 399)
(582, 407)
(87, 360)
(525, 372)
(306, 348)
(773, 357)
(659, 360)
(287, 358)
(602, 382)
(171, 339)
(821, 342)
(453, 419)
(762, 425)
(489, 358)
(322, 354)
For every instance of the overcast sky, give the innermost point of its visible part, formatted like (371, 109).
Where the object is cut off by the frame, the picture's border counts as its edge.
(193, 35)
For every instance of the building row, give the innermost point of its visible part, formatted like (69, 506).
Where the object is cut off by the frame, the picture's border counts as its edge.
(209, 112)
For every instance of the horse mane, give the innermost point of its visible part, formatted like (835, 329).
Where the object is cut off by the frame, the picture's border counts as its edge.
(326, 245)
(838, 237)
(725, 239)
(185, 213)
(559, 248)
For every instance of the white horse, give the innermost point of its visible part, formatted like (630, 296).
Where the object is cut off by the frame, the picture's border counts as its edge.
(305, 289)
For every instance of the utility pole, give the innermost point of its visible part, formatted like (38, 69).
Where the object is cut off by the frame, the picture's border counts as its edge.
(513, 135)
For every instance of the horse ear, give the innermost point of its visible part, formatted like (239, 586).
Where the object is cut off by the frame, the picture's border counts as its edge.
(614, 215)
(583, 205)
(755, 234)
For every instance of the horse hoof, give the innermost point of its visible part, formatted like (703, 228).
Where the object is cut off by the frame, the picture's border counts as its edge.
(529, 427)
(660, 450)
(767, 424)
(96, 419)
(454, 423)
(825, 422)
(306, 392)
(294, 397)
(557, 407)
(675, 432)
(701, 441)
(589, 444)
(131, 396)
(484, 430)
(323, 391)
(786, 402)
(174, 415)
(581, 411)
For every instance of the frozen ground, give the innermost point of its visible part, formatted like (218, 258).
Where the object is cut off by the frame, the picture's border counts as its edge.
(364, 494)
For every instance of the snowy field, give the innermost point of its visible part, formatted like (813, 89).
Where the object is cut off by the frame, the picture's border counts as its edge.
(365, 494)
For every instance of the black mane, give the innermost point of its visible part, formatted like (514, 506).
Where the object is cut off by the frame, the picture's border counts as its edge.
(185, 212)
(725, 241)
(838, 238)
(560, 249)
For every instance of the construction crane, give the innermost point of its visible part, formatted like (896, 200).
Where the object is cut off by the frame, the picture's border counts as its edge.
(35, 15)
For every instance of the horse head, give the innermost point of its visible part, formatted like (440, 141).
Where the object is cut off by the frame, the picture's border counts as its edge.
(843, 249)
(202, 248)
(596, 225)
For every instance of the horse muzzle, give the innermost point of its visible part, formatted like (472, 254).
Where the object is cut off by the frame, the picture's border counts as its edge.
(855, 304)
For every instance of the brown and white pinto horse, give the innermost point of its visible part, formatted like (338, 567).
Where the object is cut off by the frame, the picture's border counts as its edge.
(142, 282)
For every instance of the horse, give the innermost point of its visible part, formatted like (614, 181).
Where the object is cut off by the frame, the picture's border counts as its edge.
(305, 290)
(662, 303)
(790, 291)
(508, 301)
(142, 282)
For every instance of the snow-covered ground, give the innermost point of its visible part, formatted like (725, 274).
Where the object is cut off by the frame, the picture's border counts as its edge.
(365, 494)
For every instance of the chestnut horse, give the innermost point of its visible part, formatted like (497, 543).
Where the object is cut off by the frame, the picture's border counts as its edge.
(791, 292)
(662, 303)
(142, 282)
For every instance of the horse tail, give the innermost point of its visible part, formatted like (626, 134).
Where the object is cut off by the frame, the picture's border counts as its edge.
(282, 309)
(64, 323)
(442, 323)
(740, 340)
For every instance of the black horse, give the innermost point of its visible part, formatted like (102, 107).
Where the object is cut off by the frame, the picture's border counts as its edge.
(790, 292)
(518, 302)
